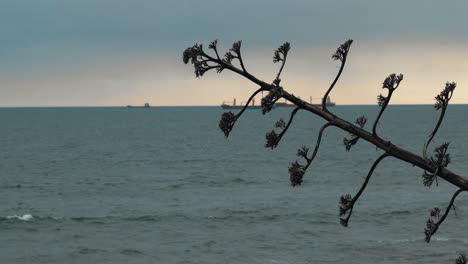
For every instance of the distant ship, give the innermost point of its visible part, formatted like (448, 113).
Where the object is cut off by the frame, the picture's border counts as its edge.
(226, 105)
(146, 105)
(328, 102)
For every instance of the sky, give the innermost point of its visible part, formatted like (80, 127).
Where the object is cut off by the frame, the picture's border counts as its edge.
(120, 52)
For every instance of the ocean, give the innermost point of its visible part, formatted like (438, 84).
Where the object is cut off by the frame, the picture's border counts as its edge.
(163, 185)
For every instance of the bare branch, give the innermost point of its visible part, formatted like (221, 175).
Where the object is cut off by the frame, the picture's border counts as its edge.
(347, 202)
(319, 140)
(435, 220)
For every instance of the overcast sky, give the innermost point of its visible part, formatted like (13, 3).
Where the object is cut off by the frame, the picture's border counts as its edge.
(111, 52)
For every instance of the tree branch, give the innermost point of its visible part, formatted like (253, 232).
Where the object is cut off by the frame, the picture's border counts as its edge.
(272, 137)
(340, 54)
(391, 83)
(280, 55)
(386, 146)
(317, 144)
(228, 119)
(347, 202)
(435, 220)
(442, 101)
(433, 167)
(296, 170)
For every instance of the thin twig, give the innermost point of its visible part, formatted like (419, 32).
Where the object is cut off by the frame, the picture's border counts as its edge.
(350, 206)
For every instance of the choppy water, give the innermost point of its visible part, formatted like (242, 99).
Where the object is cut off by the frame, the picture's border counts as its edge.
(162, 185)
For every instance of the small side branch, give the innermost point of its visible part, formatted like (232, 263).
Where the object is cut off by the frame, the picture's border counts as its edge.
(361, 122)
(236, 48)
(442, 102)
(297, 170)
(317, 144)
(433, 223)
(272, 138)
(228, 119)
(391, 83)
(341, 54)
(347, 202)
(280, 56)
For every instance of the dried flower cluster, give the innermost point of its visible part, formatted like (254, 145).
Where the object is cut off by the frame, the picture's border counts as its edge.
(280, 124)
(268, 102)
(342, 51)
(440, 160)
(361, 122)
(461, 259)
(381, 100)
(195, 56)
(281, 53)
(303, 152)
(346, 203)
(392, 81)
(227, 122)
(296, 173)
(432, 224)
(444, 97)
(272, 139)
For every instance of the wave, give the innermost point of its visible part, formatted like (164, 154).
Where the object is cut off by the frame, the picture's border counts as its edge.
(407, 240)
(26, 217)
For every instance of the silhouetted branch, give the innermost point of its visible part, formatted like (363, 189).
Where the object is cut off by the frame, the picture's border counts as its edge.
(341, 54)
(435, 220)
(280, 56)
(347, 202)
(272, 138)
(442, 101)
(319, 140)
(433, 167)
(461, 259)
(195, 52)
(296, 170)
(214, 46)
(228, 119)
(391, 83)
(439, 161)
(268, 102)
(236, 48)
(361, 122)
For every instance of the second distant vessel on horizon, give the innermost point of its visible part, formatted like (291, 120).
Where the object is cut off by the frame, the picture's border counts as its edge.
(146, 105)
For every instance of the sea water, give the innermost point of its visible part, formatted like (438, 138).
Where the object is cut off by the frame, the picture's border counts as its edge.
(163, 185)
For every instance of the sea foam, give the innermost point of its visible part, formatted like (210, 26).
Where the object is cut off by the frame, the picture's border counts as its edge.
(25, 217)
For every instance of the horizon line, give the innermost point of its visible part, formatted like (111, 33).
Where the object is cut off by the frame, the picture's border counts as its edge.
(161, 106)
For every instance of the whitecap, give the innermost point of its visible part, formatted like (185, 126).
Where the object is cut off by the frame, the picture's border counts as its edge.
(25, 217)
(440, 239)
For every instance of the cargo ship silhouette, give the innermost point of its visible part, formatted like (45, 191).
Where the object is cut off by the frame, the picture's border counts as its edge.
(146, 105)
(227, 105)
